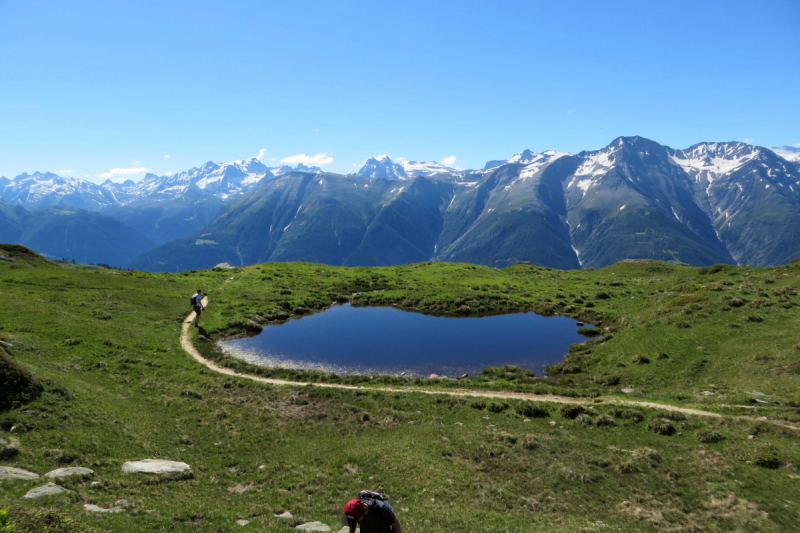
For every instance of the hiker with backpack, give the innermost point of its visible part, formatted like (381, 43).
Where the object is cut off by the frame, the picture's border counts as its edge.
(372, 512)
(197, 305)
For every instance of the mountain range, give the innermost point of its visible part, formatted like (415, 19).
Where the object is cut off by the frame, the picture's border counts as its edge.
(710, 203)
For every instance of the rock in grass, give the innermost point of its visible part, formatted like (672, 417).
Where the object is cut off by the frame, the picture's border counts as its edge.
(154, 466)
(97, 509)
(9, 472)
(285, 514)
(7, 452)
(313, 526)
(242, 522)
(51, 489)
(71, 471)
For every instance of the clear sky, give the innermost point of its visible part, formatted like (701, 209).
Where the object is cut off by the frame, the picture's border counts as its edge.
(87, 87)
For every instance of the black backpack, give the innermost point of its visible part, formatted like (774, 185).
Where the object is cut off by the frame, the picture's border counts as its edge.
(195, 299)
(372, 495)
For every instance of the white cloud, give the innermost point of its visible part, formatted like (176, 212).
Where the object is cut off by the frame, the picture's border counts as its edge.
(273, 158)
(86, 175)
(355, 165)
(66, 171)
(449, 161)
(317, 160)
(748, 141)
(169, 173)
(166, 156)
(398, 159)
(261, 153)
(137, 162)
(797, 145)
(125, 171)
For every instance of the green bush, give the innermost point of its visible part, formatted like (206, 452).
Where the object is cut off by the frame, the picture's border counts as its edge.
(531, 410)
(661, 426)
(496, 407)
(605, 421)
(19, 385)
(640, 359)
(632, 414)
(707, 436)
(478, 404)
(767, 457)
(572, 411)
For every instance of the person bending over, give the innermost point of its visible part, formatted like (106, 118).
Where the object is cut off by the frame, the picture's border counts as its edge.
(372, 516)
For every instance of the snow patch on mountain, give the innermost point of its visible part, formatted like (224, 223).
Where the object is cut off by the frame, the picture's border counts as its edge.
(790, 153)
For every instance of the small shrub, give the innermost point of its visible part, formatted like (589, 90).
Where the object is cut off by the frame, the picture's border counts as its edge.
(496, 407)
(677, 416)
(682, 325)
(478, 404)
(602, 296)
(605, 421)
(632, 414)
(707, 436)
(584, 420)
(571, 410)
(531, 410)
(530, 443)
(752, 318)
(285, 292)
(737, 302)
(648, 455)
(506, 438)
(609, 380)
(640, 359)
(661, 426)
(661, 356)
(767, 457)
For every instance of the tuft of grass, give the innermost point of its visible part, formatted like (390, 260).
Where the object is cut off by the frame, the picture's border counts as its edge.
(569, 410)
(661, 426)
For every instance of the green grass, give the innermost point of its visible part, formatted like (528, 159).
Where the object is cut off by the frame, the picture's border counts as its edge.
(121, 388)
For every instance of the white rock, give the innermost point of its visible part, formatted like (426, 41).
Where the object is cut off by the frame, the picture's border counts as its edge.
(285, 514)
(627, 391)
(71, 471)
(154, 466)
(50, 489)
(122, 502)
(97, 509)
(707, 393)
(313, 526)
(224, 266)
(9, 472)
(242, 522)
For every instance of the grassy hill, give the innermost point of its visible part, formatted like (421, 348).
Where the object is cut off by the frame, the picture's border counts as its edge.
(118, 387)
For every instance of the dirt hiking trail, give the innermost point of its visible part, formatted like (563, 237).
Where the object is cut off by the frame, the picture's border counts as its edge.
(186, 344)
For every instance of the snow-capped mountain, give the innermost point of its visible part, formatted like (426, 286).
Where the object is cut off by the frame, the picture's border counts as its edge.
(790, 153)
(40, 190)
(382, 166)
(218, 180)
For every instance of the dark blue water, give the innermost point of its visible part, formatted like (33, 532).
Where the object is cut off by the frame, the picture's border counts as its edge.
(383, 340)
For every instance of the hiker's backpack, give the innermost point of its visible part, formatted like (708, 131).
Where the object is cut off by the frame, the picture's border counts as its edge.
(194, 299)
(372, 495)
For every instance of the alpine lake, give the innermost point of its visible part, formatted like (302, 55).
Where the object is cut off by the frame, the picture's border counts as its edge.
(388, 341)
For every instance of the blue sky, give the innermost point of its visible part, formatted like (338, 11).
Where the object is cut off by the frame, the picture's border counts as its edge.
(87, 87)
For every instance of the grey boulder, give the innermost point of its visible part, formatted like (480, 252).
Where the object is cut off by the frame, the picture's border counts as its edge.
(71, 471)
(9, 472)
(154, 466)
(285, 514)
(97, 509)
(51, 489)
(313, 526)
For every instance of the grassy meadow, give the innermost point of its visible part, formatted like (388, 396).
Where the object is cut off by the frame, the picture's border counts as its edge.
(113, 384)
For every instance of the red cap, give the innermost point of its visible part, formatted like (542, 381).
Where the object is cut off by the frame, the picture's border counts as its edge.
(354, 508)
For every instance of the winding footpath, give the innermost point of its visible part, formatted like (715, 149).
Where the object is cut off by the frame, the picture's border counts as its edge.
(186, 344)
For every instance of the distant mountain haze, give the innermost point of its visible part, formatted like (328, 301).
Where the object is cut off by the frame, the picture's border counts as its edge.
(710, 203)
(85, 236)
